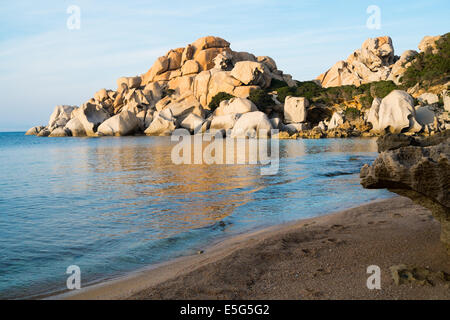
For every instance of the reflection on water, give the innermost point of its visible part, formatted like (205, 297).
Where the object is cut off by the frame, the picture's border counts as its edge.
(112, 205)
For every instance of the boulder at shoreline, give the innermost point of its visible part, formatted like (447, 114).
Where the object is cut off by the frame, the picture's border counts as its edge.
(418, 169)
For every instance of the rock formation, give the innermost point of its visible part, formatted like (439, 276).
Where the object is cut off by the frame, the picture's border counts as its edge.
(428, 42)
(397, 113)
(235, 105)
(174, 92)
(336, 120)
(428, 98)
(252, 125)
(418, 169)
(60, 116)
(372, 62)
(182, 87)
(374, 113)
(124, 123)
(295, 109)
(400, 66)
(34, 130)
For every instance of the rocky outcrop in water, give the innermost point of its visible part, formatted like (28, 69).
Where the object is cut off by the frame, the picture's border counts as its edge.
(416, 168)
(174, 93)
(207, 87)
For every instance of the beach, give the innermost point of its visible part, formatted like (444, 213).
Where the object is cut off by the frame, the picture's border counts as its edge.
(320, 258)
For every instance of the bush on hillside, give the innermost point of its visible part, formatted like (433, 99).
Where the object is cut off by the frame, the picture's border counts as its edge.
(428, 68)
(366, 92)
(276, 84)
(335, 95)
(351, 113)
(381, 89)
(308, 89)
(366, 101)
(260, 98)
(217, 99)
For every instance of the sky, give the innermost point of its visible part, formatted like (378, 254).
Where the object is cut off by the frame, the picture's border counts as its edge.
(43, 63)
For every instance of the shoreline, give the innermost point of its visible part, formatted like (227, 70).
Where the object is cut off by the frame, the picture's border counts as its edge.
(329, 252)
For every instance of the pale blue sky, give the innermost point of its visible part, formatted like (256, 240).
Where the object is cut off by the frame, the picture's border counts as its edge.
(43, 64)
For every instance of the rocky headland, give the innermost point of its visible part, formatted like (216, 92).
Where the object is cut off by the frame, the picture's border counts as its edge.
(417, 168)
(208, 87)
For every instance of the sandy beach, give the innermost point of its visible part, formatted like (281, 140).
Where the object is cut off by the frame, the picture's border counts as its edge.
(320, 258)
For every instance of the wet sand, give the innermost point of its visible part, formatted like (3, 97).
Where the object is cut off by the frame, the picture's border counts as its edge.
(320, 258)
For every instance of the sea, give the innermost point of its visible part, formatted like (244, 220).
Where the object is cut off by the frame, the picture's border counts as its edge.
(115, 205)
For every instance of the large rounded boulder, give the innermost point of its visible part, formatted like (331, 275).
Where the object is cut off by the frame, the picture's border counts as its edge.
(122, 124)
(252, 125)
(397, 113)
(163, 124)
(60, 116)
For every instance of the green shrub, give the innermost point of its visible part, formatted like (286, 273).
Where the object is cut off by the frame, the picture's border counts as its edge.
(308, 89)
(260, 98)
(366, 101)
(352, 113)
(276, 84)
(215, 101)
(365, 88)
(381, 89)
(428, 68)
(348, 92)
(335, 95)
(284, 92)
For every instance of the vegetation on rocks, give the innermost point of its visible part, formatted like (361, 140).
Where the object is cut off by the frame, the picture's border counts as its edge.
(430, 67)
(352, 113)
(260, 98)
(276, 84)
(379, 89)
(332, 95)
(207, 73)
(306, 89)
(218, 98)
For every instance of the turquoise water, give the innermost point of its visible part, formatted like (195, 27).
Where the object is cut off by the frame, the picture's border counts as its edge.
(115, 205)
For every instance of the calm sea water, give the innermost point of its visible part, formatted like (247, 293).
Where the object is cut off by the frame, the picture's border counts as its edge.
(115, 205)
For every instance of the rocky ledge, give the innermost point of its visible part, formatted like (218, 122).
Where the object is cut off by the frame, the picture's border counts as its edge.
(417, 168)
